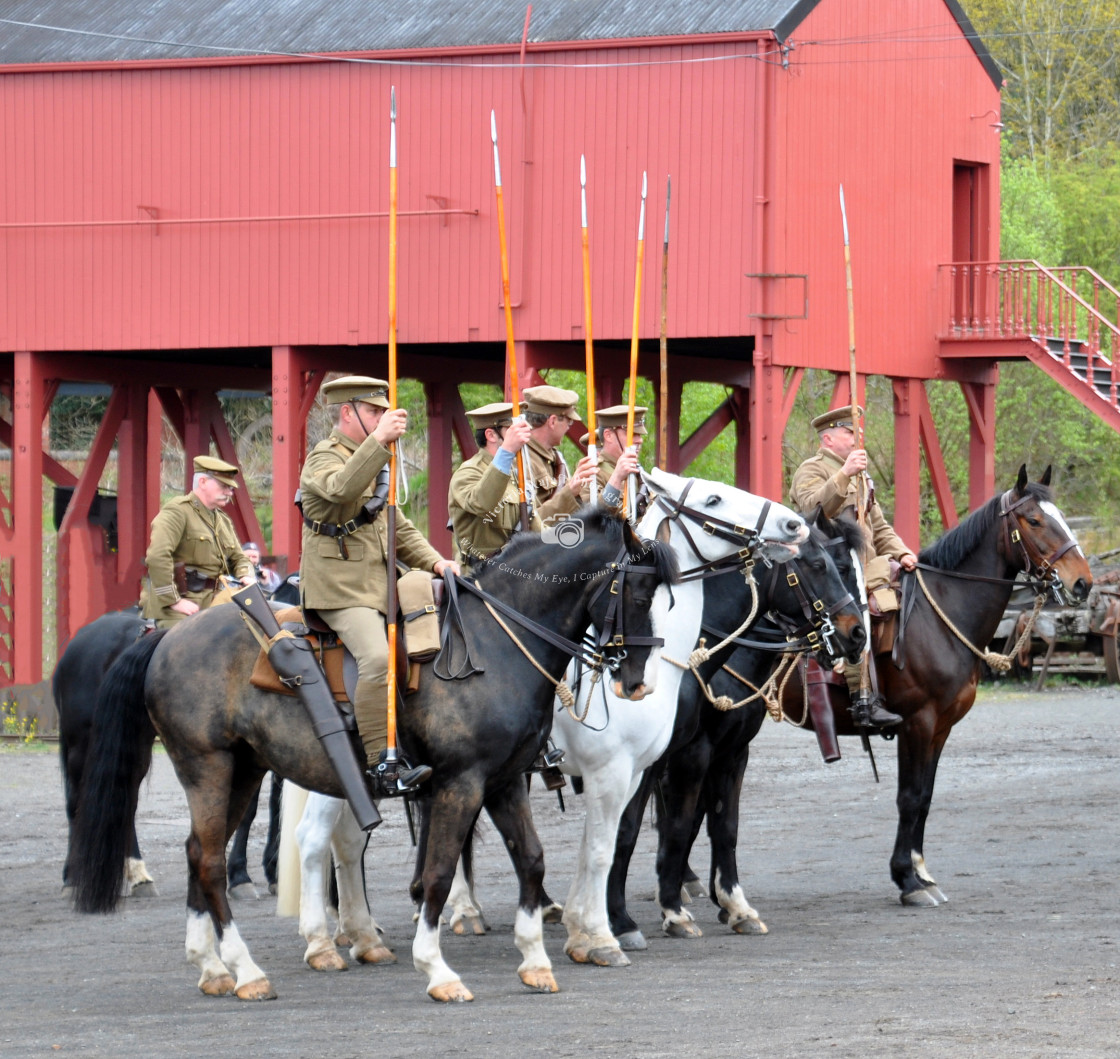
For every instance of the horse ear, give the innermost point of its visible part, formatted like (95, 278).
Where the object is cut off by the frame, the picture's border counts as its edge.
(1045, 479)
(813, 518)
(1021, 484)
(652, 483)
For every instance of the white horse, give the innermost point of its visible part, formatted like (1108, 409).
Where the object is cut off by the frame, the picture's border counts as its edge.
(705, 523)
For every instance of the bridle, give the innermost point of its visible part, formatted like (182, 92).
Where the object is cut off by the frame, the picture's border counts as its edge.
(747, 537)
(1035, 566)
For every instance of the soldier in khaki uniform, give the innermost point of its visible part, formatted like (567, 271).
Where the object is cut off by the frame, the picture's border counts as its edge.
(483, 499)
(192, 544)
(615, 463)
(343, 574)
(550, 410)
(829, 479)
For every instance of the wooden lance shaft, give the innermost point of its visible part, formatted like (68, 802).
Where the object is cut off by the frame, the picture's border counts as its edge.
(511, 349)
(631, 488)
(391, 503)
(588, 345)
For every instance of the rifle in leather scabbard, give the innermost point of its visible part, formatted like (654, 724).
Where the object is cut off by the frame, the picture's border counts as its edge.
(294, 660)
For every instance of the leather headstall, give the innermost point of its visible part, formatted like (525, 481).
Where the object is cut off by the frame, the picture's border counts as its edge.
(1034, 565)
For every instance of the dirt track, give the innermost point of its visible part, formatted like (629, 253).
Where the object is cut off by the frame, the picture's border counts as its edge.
(1022, 961)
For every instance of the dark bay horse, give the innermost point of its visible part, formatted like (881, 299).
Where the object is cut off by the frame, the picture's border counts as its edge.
(479, 735)
(74, 685)
(823, 598)
(969, 572)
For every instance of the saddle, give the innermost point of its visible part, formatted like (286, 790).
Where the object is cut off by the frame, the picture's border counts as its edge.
(420, 598)
(884, 595)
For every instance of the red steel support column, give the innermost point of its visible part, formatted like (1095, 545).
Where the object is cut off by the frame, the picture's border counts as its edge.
(766, 428)
(27, 519)
(292, 398)
(907, 460)
(446, 420)
(132, 497)
(981, 400)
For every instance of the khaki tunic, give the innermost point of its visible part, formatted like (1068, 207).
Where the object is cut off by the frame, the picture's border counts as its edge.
(338, 478)
(484, 507)
(821, 480)
(548, 474)
(186, 531)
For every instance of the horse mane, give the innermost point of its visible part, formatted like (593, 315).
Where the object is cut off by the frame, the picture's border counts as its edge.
(950, 550)
(844, 526)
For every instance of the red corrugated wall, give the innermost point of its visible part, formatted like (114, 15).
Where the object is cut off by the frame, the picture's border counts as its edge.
(262, 139)
(884, 98)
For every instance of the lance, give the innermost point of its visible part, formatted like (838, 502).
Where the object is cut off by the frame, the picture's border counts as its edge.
(663, 403)
(632, 492)
(511, 350)
(588, 345)
(391, 503)
(857, 430)
(857, 419)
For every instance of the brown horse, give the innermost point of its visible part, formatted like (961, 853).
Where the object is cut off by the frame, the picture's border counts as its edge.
(931, 679)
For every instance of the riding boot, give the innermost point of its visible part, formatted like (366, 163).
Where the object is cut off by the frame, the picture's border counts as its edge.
(394, 776)
(295, 662)
(869, 708)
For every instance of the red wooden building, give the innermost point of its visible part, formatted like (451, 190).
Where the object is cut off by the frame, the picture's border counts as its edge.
(193, 197)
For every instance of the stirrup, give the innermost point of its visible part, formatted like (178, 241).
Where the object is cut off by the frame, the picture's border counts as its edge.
(870, 711)
(392, 779)
(549, 758)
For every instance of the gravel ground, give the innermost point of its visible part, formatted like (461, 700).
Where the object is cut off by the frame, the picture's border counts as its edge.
(1022, 961)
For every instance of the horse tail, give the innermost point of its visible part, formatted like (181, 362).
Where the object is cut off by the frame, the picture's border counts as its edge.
(120, 752)
(293, 800)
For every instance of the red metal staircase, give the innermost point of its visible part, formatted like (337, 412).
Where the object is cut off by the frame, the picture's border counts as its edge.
(1062, 319)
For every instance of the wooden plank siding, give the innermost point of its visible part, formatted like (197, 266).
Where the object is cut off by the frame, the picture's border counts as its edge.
(266, 139)
(883, 98)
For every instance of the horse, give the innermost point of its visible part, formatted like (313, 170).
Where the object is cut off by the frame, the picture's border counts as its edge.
(479, 735)
(701, 774)
(74, 685)
(950, 609)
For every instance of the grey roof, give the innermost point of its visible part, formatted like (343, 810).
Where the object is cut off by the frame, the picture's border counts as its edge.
(115, 30)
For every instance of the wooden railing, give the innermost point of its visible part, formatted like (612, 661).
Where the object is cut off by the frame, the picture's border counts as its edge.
(1071, 310)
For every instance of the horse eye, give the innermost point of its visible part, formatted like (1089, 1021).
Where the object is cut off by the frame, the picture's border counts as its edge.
(713, 500)
(1034, 521)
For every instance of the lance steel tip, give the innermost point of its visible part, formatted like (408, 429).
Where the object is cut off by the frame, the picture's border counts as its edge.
(393, 102)
(643, 183)
(582, 171)
(493, 128)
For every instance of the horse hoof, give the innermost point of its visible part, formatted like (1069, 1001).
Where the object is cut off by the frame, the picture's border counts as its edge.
(539, 979)
(633, 941)
(694, 888)
(469, 925)
(223, 985)
(935, 892)
(450, 992)
(245, 891)
(608, 956)
(553, 913)
(750, 926)
(261, 989)
(918, 899)
(327, 960)
(674, 928)
(144, 889)
(342, 940)
(577, 953)
(377, 954)
(272, 888)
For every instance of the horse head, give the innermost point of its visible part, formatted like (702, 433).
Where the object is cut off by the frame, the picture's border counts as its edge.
(1038, 539)
(822, 589)
(724, 520)
(630, 601)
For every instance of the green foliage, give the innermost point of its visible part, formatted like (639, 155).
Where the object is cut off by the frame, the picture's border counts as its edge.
(1031, 225)
(1087, 192)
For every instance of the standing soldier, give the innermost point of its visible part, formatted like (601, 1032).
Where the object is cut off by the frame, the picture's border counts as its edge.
(615, 463)
(483, 500)
(343, 572)
(192, 545)
(550, 410)
(830, 479)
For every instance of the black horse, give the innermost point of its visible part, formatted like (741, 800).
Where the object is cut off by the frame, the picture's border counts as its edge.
(969, 572)
(75, 684)
(479, 735)
(816, 600)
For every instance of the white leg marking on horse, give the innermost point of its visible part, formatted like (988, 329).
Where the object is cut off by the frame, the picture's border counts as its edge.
(426, 955)
(348, 842)
(201, 951)
(739, 911)
(313, 840)
(465, 909)
(920, 869)
(234, 953)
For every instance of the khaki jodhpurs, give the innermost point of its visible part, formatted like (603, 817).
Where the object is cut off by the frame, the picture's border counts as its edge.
(363, 630)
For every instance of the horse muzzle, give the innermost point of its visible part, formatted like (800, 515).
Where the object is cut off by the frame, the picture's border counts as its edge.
(638, 693)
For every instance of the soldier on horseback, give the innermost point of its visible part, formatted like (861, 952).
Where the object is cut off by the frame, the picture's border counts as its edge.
(616, 464)
(549, 411)
(193, 544)
(830, 479)
(343, 573)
